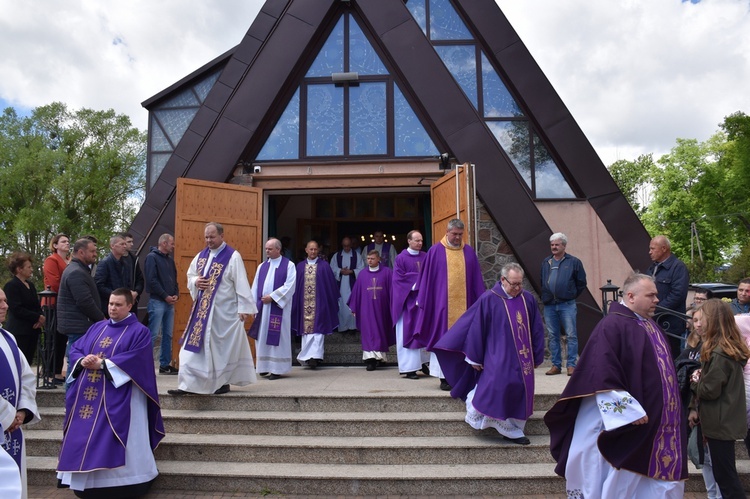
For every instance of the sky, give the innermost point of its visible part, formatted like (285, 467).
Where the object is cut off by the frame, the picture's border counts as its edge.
(635, 74)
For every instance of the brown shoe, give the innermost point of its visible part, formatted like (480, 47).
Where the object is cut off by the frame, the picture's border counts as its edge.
(554, 370)
(570, 371)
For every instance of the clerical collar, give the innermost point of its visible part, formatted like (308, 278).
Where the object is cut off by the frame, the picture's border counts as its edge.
(373, 269)
(216, 251)
(275, 259)
(112, 321)
(312, 261)
(639, 316)
(412, 252)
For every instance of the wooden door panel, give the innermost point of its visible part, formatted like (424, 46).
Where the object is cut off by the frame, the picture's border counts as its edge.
(452, 197)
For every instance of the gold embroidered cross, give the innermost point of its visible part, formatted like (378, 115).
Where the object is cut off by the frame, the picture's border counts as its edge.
(374, 288)
(275, 323)
(524, 351)
(86, 412)
(90, 393)
(94, 376)
(106, 341)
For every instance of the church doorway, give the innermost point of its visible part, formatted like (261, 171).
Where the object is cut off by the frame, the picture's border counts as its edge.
(329, 216)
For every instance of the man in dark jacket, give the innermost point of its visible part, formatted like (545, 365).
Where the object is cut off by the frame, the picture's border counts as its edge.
(672, 280)
(134, 270)
(78, 306)
(161, 283)
(563, 280)
(116, 271)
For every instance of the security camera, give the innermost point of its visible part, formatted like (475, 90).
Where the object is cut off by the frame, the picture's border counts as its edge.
(256, 168)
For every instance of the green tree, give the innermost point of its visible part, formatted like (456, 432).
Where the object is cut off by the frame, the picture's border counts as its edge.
(78, 172)
(633, 179)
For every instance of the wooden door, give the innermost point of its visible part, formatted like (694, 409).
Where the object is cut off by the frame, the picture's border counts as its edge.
(238, 208)
(453, 196)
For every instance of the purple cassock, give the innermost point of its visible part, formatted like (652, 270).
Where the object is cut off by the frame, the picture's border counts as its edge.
(321, 299)
(506, 336)
(403, 299)
(432, 297)
(97, 415)
(630, 354)
(370, 302)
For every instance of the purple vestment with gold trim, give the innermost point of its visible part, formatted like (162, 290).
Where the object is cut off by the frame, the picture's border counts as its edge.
(370, 302)
(506, 336)
(627, 353)
(97, 414)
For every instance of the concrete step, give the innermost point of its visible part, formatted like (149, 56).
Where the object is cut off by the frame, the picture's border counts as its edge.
(356, 480)
(478, 448)
(343, 424)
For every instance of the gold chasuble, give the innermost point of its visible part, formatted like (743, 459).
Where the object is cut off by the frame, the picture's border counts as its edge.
(456, 271)
(309, 299)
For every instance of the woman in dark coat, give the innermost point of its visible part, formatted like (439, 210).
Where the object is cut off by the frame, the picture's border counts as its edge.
(719, 388)
(25, 318)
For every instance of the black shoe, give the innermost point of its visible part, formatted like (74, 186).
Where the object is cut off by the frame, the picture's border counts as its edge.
(519, 440)
(444, 385)
(312, 363)
(58, 381)
(426, 368)
(412, 375)
(223, 389)
(262, 374)
(371, 364)
(168, 370)
(274, 376)
(178, 392)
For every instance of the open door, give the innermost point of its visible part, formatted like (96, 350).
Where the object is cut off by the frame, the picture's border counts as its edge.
(454, 196)
(239, 209)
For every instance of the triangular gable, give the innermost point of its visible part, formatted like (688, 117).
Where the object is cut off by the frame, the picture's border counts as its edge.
(259, 80)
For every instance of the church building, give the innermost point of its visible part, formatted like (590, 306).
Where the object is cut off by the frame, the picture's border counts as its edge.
(335, 118)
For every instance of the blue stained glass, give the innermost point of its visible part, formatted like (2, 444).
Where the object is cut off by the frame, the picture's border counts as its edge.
(513, 137)
(411, 137)
(158, 162)
(367, 119)
(445, 24)
(283, 143)
(549, 181)
(498, 103)
(175, 121)
(204, 86)
(461, 61)
(419, 13)
(362, 57)
(325, 120)
(159, 141)
(186, 98)
(330, 59)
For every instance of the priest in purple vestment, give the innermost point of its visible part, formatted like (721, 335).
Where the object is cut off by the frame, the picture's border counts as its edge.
(618, 429)
(489, 355)
(315, 306)
(451, 281)
(112, 416)
(406, 271)
(370, 303)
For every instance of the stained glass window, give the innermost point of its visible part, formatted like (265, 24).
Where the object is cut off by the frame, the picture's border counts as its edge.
(461, 61)
(362, 56)
(325, 120)
(498, 102)
(445, 24)
(411, 137)
(283, 143)
(330, 59)
(419, 13)
(367, 119)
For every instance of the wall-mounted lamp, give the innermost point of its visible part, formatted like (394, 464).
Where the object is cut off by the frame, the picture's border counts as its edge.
(350, 78)
(445, 162)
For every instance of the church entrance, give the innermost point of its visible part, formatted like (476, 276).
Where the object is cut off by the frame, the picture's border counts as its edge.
(329, 216)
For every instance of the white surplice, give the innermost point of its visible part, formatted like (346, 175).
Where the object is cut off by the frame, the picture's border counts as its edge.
(26, 400)
(276, 359)
(225, 357)
(587, 473)
(346, 317)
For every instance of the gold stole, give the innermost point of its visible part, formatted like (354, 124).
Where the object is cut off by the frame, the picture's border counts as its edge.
(309, 298)
(456, 270)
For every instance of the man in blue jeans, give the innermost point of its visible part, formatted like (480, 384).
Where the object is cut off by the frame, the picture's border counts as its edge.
(563, 280)
(161, 283)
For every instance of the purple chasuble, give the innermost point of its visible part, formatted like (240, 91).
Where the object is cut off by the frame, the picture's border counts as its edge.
(385, 254)
(432, 293)
(403, 299)
(318, 303)
(506, 336)
(97, 415)
(10, 390)
(196, 328)
(630, 354)
(370, 302)
(277, 314)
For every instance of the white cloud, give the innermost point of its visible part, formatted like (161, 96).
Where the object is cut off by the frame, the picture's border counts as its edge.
(636, 74)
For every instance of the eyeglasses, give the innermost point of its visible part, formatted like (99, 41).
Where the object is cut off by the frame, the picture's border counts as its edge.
(513, 284)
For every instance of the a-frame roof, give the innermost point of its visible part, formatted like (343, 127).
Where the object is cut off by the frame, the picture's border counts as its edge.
(265, 67)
